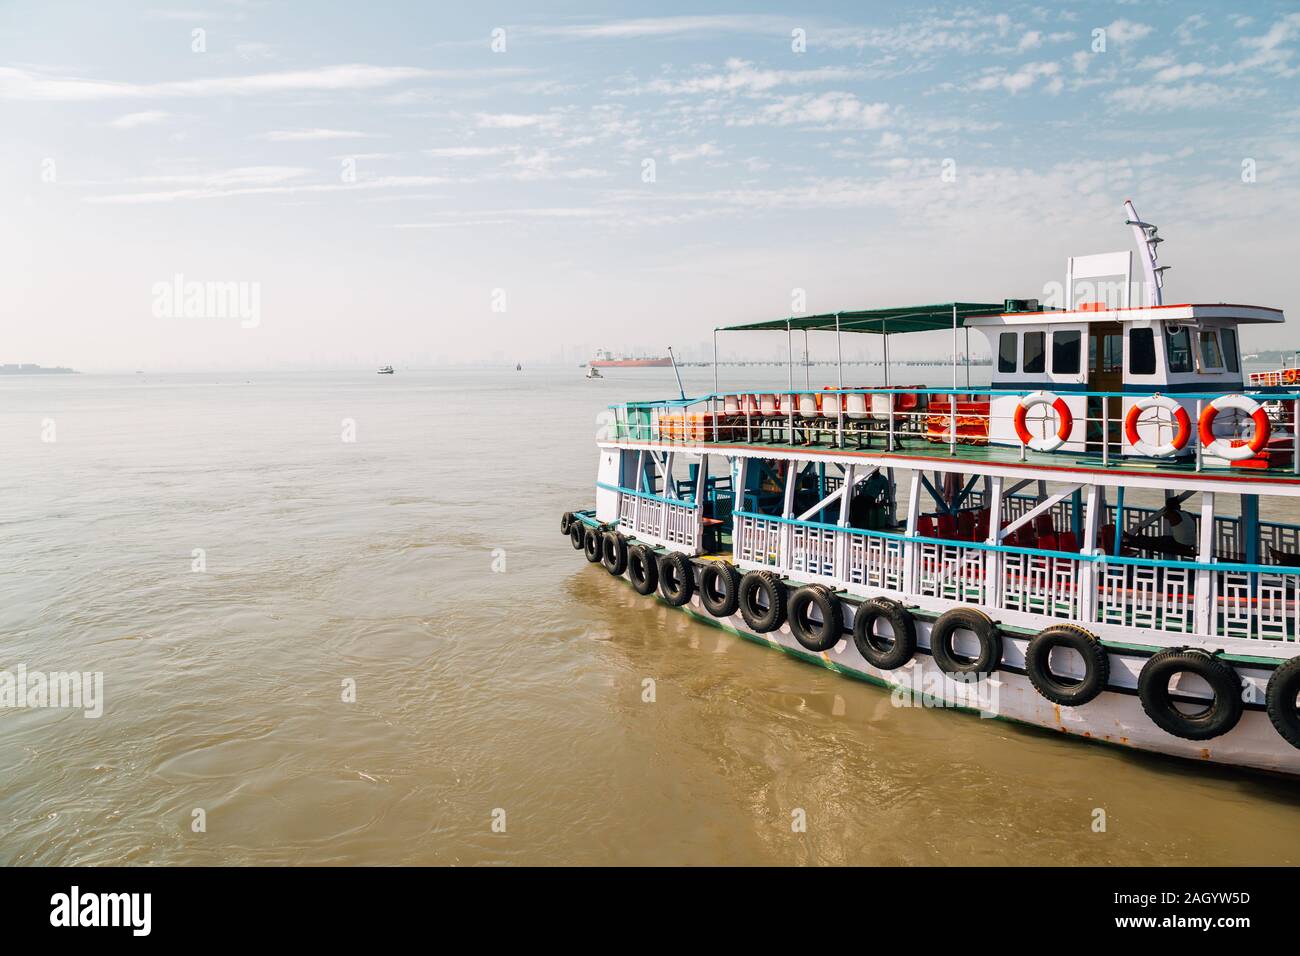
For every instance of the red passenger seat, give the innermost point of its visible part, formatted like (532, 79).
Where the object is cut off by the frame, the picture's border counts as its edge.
(947, 527)
(925, 527)
(1043, 524)
(1068, 542)
(966, 525)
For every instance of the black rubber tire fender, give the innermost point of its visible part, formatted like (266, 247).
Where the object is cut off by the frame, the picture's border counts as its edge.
(643, 568)
(816, 637)
(722, 578)
(577, 535)
(762, 620)
(592, 546)
(566, 521)
(944, 631)
(890, 654)
(613, 553)
(676, 578)
(1067, 691)
(1283, 687)
(1213, 721)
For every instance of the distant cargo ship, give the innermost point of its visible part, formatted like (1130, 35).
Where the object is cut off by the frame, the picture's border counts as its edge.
(29, 369)
(607, 359)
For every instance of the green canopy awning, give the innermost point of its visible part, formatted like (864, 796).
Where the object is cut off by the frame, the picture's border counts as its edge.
(912, 318)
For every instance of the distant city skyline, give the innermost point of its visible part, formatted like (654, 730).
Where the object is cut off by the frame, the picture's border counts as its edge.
(240, 185)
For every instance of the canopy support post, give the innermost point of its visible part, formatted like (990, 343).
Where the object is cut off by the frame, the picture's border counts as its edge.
(789, 356)
(952, 399)
(715, 385)
(839, 383)
(807, 381)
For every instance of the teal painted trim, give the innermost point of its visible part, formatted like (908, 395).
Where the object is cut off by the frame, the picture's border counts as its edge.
(645, 494)
(982, 546)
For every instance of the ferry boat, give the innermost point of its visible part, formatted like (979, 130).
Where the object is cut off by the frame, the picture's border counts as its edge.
(385, 370)
(607, 359)
(972, 547)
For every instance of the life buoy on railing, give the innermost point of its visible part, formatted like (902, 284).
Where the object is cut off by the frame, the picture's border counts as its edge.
(1057, 404)
(1181, 419)
(1221, 447)
(1290, 375)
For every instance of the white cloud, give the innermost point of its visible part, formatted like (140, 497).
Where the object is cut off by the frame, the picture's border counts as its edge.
(1031, 40)
(703, 151)
(659, 27)
(1126, 31)
(998, 78)
(146, 118)
(741, 76)
(220, 190)
(1147, 99)
(310, 135)
(834, 110)
(21, 84)
(468, 152)
(514, 120)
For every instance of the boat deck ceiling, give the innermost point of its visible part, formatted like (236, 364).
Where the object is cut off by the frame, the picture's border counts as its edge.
(1005, 459)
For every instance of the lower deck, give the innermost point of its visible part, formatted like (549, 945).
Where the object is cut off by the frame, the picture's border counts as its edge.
(1196, 565)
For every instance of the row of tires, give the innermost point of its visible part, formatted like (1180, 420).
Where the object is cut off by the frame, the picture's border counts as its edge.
(816, 619)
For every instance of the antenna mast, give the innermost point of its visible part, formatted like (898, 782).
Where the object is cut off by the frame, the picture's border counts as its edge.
(1144, 234)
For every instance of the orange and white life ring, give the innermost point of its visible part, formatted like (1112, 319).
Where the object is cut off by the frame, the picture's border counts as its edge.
(1290, 375)
(1222, 447)
(1064, 418)
(1181, 419)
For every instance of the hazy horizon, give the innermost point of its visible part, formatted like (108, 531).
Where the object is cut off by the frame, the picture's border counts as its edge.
(406, 184)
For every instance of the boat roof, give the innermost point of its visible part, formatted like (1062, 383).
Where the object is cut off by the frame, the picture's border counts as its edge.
(1180, 312)
(907, 318)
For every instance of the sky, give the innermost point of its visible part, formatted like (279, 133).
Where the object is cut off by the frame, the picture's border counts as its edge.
(334, 185)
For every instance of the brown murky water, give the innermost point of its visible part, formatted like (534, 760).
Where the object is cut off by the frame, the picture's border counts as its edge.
(476, 690)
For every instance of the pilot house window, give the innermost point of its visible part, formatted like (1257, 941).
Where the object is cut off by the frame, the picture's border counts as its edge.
(1179, 345)
(1035, 352)
(1229, 339)
(1007, 352)
(1210, 357)
(1141, 352)
(1065, 353)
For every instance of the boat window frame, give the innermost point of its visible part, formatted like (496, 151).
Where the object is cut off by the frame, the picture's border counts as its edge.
(1231, 357)
(1015, 352)
(1204, 337)
(1172, 332)
(1078, 351)
(1041, 363)
(1132, 353)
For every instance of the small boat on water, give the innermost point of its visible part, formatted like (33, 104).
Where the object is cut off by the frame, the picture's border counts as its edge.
(971, 546)
(593, 372)
(385, 370)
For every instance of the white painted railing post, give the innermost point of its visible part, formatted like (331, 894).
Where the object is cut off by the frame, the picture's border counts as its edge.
(1205, 554)
(842, 569)
(785, 535)
(993, 559)
(909, 547)
(1092, 508)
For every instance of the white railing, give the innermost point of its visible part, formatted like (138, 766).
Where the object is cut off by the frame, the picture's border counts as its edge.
(951, 571)
(813, 550)
(1252, 602)
(757, 541)
(1040, 584)
(875, 562)
(1148, 596)
(1255, 605)
(655, 520)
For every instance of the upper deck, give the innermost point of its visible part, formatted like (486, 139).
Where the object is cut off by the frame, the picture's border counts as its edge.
(971, 429)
